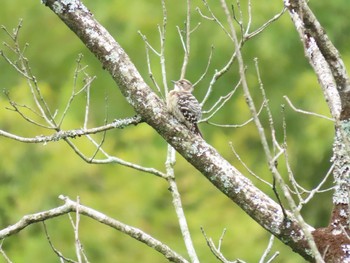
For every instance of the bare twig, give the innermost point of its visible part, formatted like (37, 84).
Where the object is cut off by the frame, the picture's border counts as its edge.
(216, 76)
(246, 166)
(79, 251)
(71, 206)
(248, 35)
(268, 251)
(15, 31)
(112, 159)
(306, 112)
(160, 54)
(58, 253)
(88, 81)
(270, 159)
(317, 188)
(216, 250)
(297, 188)
(250, 17)
(2, 252)
(186, 41)
(220, 103)
(148, 47)
(162, 33)
(206, 68)
(23, 67)
(64, 135)
(60, 135)
(170, 162)
(238, 125)
(15, 108)
(212, 17)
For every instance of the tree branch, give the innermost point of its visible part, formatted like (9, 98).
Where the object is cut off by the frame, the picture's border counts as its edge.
(323, 57)
(61, 135)
(153, 111)
(71, 206)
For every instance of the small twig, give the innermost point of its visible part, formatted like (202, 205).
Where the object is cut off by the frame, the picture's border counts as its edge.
(79, 250)
(297, 188)
(268, 251)
(246, 166)
(148, 59)
(2, 252)
(14, 35)
(148, 44)
(307, 112)
(112, 159)
(206, 68)
(76, 231)
(23, 67)
(162, 32)
(88, 81)
(248, 35)
(204, 16)
(290, 173)
(250, 17)
(169, 164)
(213, 17)
(221, 239)
(21, 72)
(216, 250)
(58, 253)
(240, 19)
(238, 125)
(216, 76)
(317, 189)
(87, 107)
(220, 103)
(186, 42)
(98, 146)
(272, 160)
(275, 144)
(15, 108)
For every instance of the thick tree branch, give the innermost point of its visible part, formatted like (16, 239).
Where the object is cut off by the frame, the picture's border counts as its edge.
(193, 148)
(313, 28)
(335, 83)
(323, 57)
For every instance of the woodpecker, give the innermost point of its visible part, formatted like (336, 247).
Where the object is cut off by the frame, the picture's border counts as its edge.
(184, 106)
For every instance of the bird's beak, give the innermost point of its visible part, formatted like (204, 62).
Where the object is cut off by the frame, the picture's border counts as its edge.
(173, 81)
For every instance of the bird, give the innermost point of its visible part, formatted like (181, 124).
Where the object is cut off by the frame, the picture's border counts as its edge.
(184, 106)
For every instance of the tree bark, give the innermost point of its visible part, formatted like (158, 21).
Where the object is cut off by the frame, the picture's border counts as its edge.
(332, 77)
(333, 241)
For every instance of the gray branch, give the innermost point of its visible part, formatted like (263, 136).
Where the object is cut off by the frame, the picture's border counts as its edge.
(62, 135)
(71, 206)
(193, 148)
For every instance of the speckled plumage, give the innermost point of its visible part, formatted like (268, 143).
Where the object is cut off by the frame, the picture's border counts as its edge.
(184, 106)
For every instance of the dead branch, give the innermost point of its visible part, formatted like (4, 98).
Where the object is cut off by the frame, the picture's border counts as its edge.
(72, 206)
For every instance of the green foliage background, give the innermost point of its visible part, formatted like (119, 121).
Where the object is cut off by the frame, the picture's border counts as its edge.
(32, 176)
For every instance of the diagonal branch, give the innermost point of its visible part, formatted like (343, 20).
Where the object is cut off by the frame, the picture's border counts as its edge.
(193, 148)
(323, 57)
